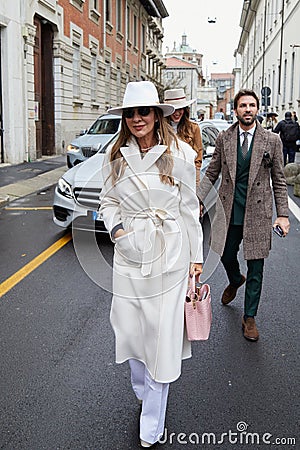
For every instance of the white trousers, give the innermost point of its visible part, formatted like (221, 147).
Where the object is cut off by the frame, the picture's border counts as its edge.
(154, 397)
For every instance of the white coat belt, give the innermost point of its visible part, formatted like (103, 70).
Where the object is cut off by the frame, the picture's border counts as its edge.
(155, 219)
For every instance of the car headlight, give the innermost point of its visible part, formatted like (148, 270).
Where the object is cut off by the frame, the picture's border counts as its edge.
(64, 188)
(74, 148)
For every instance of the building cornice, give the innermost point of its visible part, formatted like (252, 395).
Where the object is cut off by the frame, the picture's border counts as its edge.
(155, 8)
(247, 17)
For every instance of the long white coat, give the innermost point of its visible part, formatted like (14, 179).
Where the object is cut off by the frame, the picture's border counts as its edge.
(151, 262)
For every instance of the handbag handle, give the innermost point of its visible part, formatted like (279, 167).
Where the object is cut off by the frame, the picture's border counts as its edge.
(195, 285)
(192, 295)
(195, 290)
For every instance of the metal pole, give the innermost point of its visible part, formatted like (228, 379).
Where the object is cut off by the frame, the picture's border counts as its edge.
(254, 47)
(264, 49)
(281, 47)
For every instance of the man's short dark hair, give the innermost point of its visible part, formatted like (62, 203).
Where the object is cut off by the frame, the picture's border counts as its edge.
(243, 92)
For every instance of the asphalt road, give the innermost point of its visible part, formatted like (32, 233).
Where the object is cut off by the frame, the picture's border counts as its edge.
(60, 387)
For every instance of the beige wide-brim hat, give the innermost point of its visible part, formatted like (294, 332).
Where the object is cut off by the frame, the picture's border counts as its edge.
(141, 93)
(177, 98)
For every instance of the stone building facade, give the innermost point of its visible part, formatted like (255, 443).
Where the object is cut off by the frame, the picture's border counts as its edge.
(64, 62)
(269, 48)
(181, 73)
(183, 68)
(224, 83)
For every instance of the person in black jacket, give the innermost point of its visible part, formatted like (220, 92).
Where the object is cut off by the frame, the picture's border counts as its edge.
(289, 131)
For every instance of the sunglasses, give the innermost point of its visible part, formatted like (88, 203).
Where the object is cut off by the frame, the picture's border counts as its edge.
(143, 111)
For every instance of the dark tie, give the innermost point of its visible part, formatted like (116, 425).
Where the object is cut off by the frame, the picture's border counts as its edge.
(245, 145)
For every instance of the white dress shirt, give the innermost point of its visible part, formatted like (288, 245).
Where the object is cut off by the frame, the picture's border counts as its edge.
(250, 135)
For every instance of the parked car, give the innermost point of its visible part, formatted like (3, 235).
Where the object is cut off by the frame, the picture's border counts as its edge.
(93, 139)
(218, 123)
(76, 197)
(209, 133)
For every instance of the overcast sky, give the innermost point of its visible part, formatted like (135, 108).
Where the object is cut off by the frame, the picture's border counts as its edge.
(217, 41)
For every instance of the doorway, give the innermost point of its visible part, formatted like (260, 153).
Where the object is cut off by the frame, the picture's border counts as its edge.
(44, 88)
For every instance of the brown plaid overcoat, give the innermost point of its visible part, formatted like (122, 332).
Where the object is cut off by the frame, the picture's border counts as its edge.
(264, 184)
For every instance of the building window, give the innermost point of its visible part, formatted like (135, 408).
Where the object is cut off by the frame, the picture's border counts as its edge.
(76, 71)
(94, 78)
(108, 11)
(119, 15)
(107, 83)
(135, 31)
(278, 84)
(78, 4)
(268, 14)
(284, 82)
(273, 87)
(143, 39)
(94, 10)
(128, 24)
(119, 99)
(292, 77)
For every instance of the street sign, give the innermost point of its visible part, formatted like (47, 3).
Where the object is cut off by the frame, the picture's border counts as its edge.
(265, 99)
(265, 91)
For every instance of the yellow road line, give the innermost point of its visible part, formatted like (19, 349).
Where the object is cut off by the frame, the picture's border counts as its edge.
(32, 265)
(33, 208)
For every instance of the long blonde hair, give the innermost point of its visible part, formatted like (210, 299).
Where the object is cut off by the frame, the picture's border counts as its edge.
(165, 136)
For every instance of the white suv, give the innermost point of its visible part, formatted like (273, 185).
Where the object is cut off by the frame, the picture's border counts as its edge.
(93, 139)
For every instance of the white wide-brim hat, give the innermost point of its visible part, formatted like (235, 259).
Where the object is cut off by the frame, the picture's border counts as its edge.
(177, 98)
(141, 93)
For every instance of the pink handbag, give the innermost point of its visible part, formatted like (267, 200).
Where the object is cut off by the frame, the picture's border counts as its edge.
(197, 309)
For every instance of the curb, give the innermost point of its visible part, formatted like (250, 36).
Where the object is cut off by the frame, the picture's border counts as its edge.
(4, 200)
(25, 187)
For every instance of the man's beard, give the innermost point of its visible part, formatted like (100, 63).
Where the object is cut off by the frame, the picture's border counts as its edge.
(246, 122)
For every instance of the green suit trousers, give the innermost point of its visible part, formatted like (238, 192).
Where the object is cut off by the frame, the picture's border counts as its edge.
(254, 270)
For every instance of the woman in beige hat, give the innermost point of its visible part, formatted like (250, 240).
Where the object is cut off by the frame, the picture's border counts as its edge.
(149, 206)
(186, 130)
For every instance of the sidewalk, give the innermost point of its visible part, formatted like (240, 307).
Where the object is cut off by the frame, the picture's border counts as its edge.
(23, 179)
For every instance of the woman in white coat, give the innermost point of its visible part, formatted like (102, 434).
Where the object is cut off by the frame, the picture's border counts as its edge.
(149, 206)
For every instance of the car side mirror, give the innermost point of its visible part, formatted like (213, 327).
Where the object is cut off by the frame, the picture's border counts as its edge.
(82, 132)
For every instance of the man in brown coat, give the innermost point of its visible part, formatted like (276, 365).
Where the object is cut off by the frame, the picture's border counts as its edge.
(248, 158)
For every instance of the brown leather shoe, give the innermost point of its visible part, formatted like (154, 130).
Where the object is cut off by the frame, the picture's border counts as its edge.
(249, 328)
(230, 292)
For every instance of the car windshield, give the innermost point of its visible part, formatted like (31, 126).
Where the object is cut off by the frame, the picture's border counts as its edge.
(110, 142)
(104, 126)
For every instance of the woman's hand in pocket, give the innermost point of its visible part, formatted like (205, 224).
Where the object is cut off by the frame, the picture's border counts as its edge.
(119, 233)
